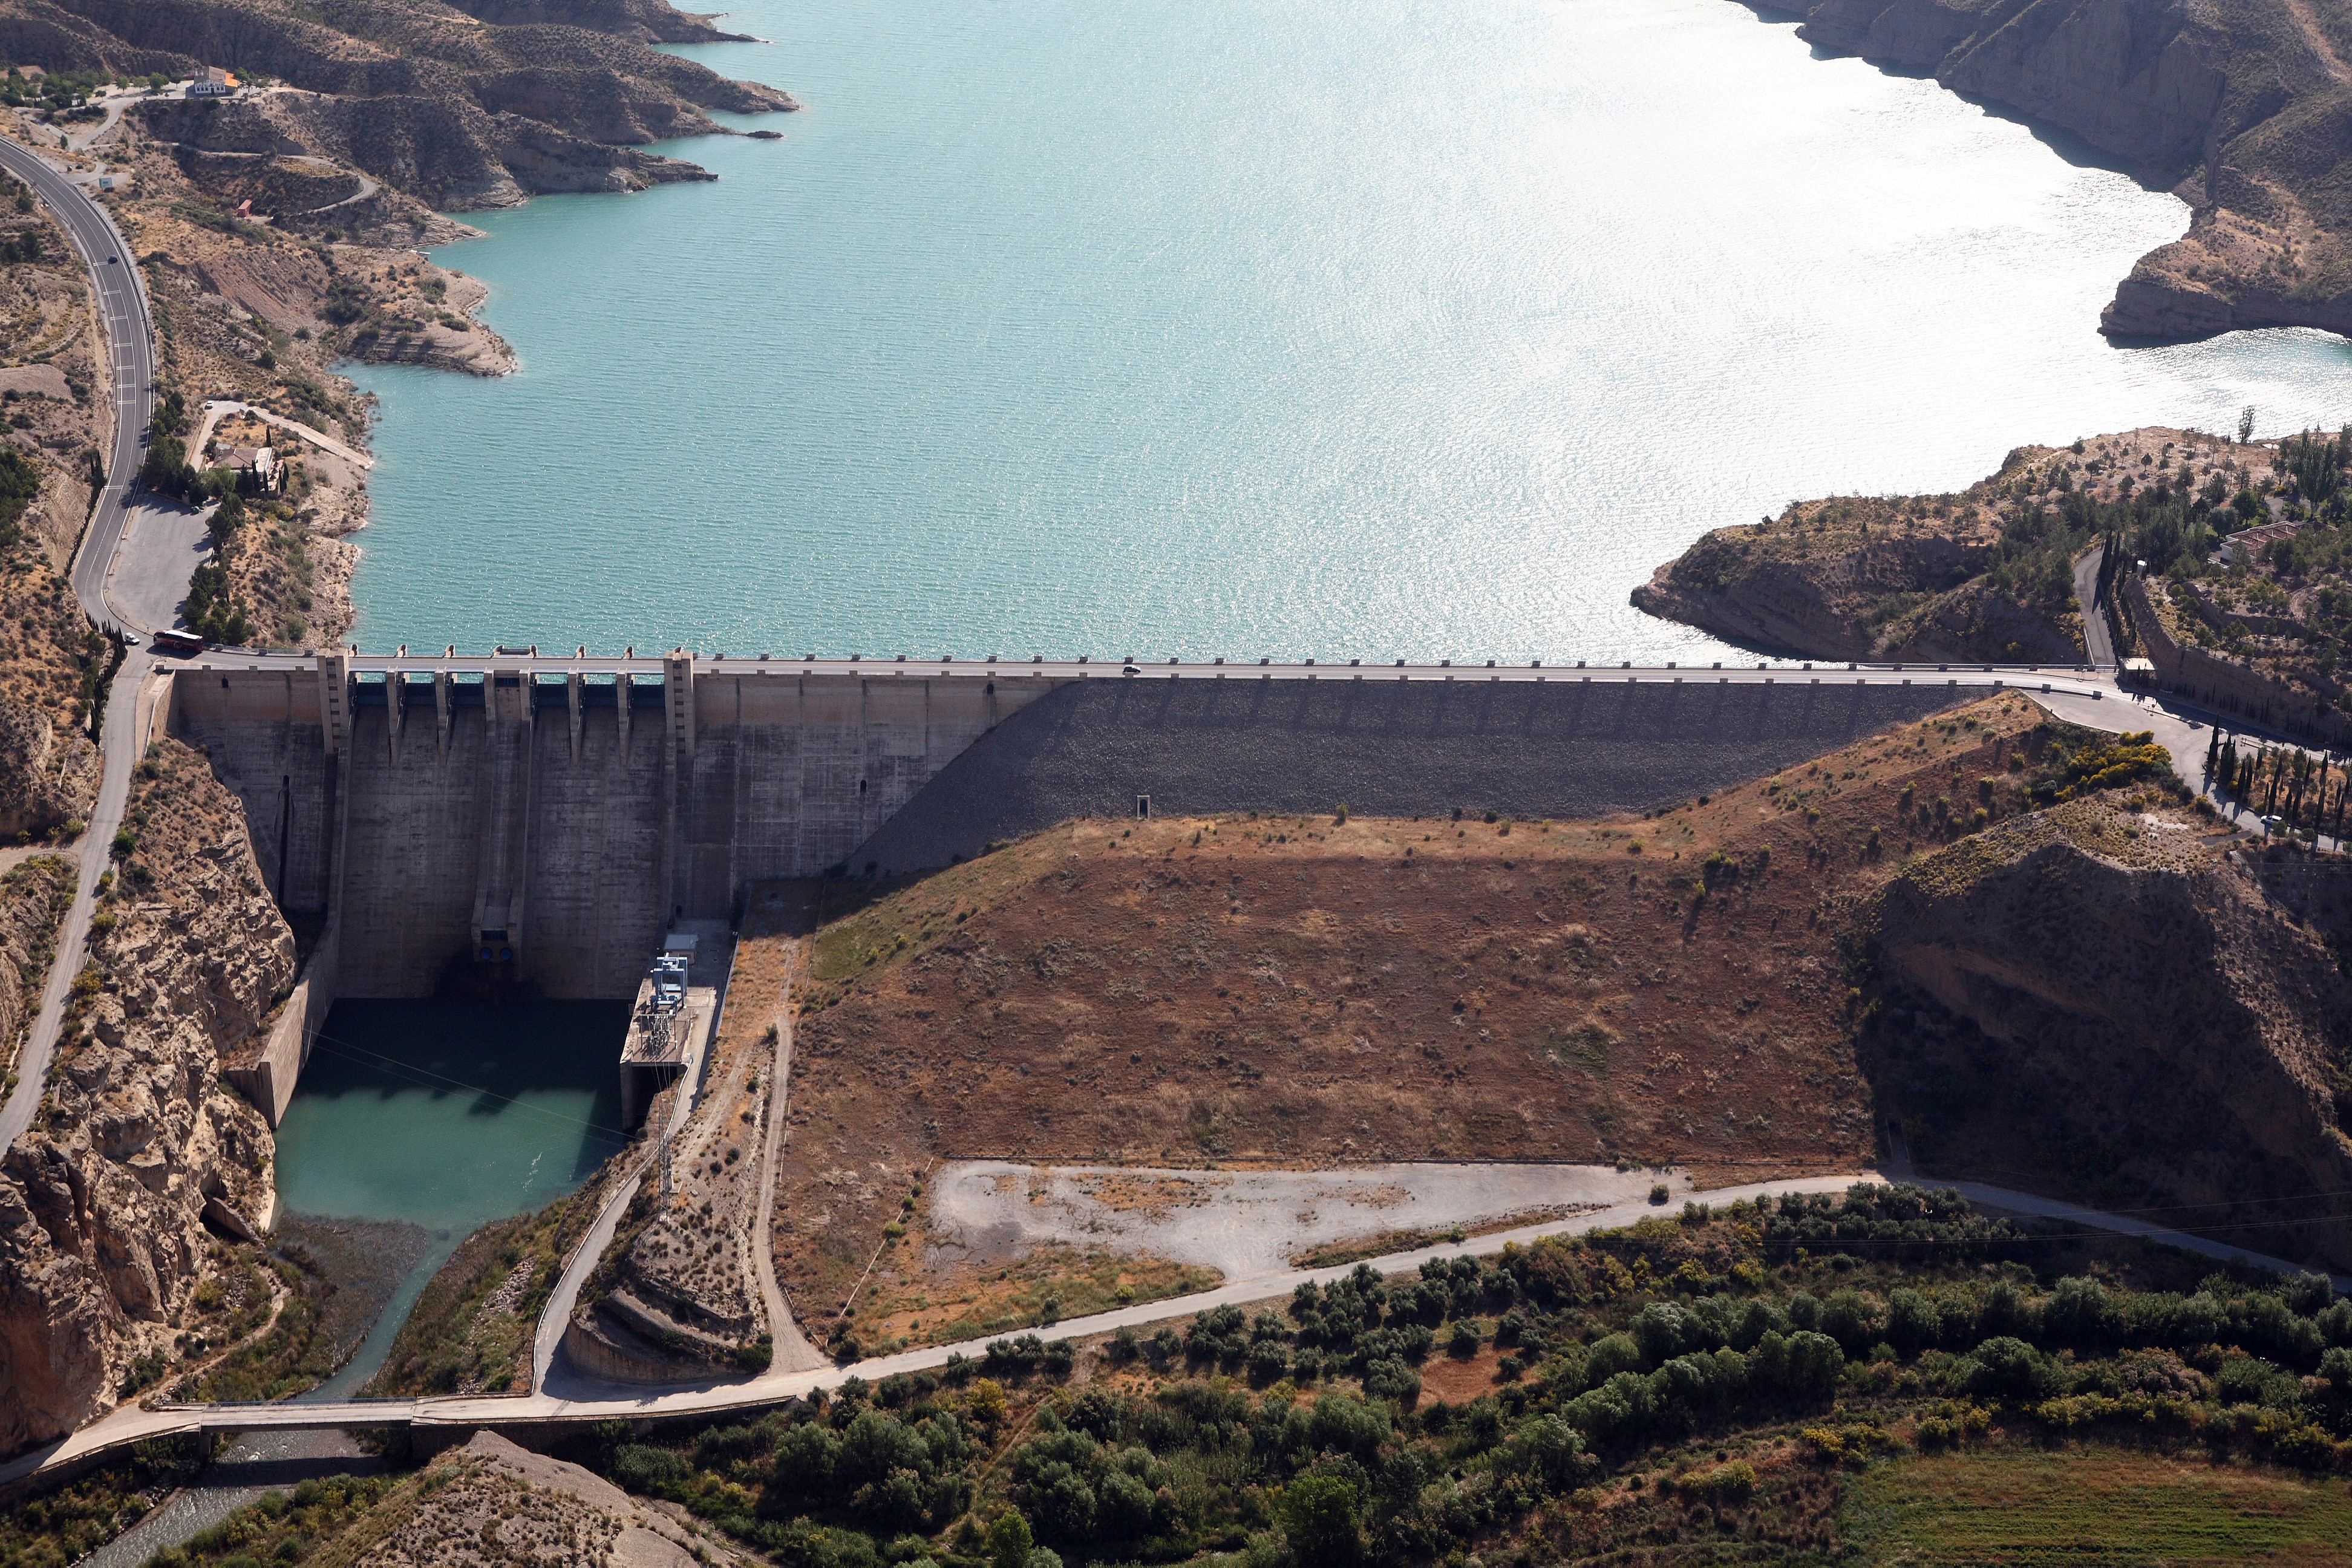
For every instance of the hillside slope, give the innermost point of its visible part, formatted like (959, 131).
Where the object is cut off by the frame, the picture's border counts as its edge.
(2101, 1003)
(104, 1201)
(458, 111)
(1303, 991)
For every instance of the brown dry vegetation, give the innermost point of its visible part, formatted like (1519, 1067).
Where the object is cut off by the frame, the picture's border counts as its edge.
(1303, 991)
(921, 1300)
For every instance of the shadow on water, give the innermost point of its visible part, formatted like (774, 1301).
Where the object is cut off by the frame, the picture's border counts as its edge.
(445, 1114)
(545, 1070)
(2070, 149)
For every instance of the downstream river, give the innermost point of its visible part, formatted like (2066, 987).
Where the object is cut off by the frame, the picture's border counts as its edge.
(445, 1115)
(1419, 328)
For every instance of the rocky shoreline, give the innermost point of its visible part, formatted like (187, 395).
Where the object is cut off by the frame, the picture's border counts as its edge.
(2240, 111)
(133, 1215)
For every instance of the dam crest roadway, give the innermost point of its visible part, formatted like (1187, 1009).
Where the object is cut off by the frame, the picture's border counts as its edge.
(540, 793)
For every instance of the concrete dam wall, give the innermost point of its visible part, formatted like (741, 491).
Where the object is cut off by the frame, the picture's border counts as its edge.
(552, 828)
(545, 827)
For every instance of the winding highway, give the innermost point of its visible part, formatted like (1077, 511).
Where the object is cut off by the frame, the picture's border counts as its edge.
(129, 350)
(121, 303)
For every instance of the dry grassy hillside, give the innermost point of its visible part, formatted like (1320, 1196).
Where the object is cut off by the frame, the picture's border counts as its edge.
(1314, 992)
(2112, 1004)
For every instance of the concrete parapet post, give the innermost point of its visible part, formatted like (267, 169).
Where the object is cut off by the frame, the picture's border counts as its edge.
(334, 701)
(677, 700)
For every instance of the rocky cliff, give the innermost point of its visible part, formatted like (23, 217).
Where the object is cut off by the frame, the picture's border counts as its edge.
(2097, 1000)
(33, 898)
(138, 1146)
(646, 21)
(2245, 108)
(457, 111)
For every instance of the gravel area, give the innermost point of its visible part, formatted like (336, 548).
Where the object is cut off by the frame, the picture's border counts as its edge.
(252, 1464)
(1560, 749)
(1246, 1222)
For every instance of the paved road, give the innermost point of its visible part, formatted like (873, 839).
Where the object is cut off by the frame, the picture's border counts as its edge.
(122, 313)
(568, 1397)
(128, 706)
(130, 355)
(2098, 642)
(160, 551)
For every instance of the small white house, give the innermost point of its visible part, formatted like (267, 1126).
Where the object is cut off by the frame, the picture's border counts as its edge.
(215, 83)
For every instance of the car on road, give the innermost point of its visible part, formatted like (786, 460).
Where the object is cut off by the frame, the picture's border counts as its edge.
(130, 639)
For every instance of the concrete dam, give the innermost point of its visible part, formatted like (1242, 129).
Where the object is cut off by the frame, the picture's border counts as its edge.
(544, 821)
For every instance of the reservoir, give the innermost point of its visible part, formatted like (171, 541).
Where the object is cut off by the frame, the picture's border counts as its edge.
(447, 1115)
(1405, 328)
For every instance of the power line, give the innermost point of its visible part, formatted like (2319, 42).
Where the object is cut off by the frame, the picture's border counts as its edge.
(419, 1076)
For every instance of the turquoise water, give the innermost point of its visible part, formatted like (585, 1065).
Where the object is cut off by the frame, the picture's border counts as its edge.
(1399, 328)
(450, 1115)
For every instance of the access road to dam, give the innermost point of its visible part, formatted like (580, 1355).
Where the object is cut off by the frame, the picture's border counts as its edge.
(568, 1400)
(920, 739)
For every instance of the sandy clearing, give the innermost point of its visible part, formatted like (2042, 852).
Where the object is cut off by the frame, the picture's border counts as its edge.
(1246, 1222)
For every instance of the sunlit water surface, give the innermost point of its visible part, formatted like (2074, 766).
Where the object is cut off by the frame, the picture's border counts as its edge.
(1403, 327)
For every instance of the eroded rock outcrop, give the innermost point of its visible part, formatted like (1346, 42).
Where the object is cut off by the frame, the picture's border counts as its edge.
(48, 774)
(104, 1202)
(2095, 999)
(456, 112)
